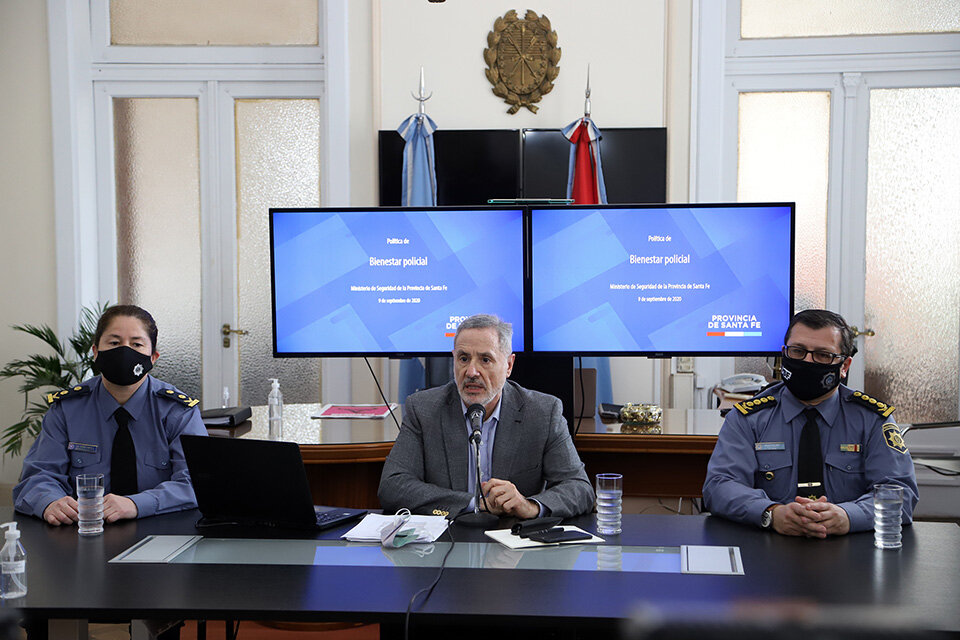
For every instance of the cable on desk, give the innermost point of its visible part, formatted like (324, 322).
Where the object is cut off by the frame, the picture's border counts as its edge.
(429, 589)
(386, 403)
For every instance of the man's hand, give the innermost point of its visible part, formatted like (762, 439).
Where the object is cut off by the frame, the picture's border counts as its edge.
(62, 511)
(811, 518)
(790, 519)
(503, 498)
(826, 518)
(118, 508)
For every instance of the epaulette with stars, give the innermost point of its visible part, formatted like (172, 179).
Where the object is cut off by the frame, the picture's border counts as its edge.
(72, 392)
(873, 404)
(177, 396)
(749, 406)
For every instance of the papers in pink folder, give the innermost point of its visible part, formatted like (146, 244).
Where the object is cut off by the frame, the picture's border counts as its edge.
(355, 411)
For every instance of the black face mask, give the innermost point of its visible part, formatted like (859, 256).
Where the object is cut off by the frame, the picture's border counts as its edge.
(122, 365)
(809, 380)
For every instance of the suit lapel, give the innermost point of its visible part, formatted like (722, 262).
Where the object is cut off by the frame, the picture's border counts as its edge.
(453, 425)
(507, 444)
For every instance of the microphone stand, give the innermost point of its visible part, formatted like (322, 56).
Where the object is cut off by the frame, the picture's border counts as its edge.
(478, 518)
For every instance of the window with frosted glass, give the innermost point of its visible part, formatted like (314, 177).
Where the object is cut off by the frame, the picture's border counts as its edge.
(913, 252)
(278, 165)
(783, 156)
(214, 22)
(156, 144)
(805, 18)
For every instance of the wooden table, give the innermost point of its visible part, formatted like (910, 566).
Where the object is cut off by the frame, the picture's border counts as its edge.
(344, 458)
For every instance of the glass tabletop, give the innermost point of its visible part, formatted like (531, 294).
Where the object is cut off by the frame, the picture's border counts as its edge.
(464, 555)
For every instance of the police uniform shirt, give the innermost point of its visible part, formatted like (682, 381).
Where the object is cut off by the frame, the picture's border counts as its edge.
(77, 438)
(754, 461)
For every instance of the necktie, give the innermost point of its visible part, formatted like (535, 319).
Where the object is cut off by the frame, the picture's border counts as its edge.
(810, 458)
(123, 463)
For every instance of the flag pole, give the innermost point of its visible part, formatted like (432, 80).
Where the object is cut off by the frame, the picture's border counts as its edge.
(586, 95)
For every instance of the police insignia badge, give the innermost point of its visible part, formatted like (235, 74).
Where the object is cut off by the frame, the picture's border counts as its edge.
(177, 396)
(873, 404)
(71, 392)
(749, 406)
(891, 435)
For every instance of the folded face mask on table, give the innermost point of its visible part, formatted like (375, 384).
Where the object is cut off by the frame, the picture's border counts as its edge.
(399, 532)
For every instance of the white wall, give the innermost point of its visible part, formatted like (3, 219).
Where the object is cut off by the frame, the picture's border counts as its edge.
(622, 40)
(28, 286)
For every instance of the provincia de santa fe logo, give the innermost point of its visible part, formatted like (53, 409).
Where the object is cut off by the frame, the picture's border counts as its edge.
(742, 321)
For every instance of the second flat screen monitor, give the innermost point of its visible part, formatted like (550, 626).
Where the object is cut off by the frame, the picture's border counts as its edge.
(391, 281)
(661, 279)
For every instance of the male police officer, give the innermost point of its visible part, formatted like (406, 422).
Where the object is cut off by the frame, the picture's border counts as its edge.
(802, 457)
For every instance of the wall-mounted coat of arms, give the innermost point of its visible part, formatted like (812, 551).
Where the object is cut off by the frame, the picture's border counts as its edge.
(522, 57)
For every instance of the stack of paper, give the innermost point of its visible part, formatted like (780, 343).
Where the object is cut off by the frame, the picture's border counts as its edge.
(430, 527)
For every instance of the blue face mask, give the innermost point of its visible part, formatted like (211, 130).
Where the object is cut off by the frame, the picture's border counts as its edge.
(122, 365)
(809, 380)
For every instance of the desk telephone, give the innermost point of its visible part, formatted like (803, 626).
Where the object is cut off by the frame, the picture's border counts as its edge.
(743, 383)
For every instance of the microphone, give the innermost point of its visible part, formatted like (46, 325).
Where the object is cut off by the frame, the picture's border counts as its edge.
(476, 413)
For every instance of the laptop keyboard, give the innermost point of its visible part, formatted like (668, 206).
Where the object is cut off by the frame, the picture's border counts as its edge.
(331, 517)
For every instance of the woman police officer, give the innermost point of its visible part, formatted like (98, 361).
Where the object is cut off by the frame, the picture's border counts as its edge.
(123, 423)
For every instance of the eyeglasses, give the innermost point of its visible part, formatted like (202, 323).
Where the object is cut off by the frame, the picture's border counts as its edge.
(820, 357)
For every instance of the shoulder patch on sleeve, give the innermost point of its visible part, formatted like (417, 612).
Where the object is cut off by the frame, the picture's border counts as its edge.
(749, 406)
(72, 392)
(872, 404)
(177, 396)
(891, 435)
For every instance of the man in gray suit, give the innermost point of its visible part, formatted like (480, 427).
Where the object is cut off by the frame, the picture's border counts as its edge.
(529, 467)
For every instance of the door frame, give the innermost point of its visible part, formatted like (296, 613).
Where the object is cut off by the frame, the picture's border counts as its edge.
(85, 70)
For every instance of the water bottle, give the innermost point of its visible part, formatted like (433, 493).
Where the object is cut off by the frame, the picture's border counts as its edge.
(13, 560)
(275, 411)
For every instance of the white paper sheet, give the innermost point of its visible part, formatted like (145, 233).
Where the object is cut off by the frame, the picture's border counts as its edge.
(724, 561)
(368, 530)
(507, 539)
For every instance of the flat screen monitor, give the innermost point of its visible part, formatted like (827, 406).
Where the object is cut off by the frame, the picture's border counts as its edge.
(661, 280)
(391, 281)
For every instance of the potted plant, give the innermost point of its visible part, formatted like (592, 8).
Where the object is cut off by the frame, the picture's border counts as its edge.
(54, 371)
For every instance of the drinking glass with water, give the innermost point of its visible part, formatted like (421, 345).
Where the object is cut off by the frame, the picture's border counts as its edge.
(90, 504)
(887, 505)
(609, 502)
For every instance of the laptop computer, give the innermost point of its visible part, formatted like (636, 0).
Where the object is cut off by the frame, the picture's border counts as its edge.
(255, 482)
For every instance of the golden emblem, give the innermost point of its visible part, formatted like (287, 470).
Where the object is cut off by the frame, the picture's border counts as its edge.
(522, 57)
(893, 438)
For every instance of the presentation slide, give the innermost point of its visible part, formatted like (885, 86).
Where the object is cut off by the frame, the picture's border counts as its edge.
(392, 281)
(711, 279)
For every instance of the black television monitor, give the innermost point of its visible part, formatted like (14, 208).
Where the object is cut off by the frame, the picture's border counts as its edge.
(634, 164)
(473, 166)
(391, 281)
(661, 280)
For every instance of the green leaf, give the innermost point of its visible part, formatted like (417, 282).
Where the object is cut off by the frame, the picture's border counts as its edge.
(43, 332)
(13, 435)
(49, 371)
